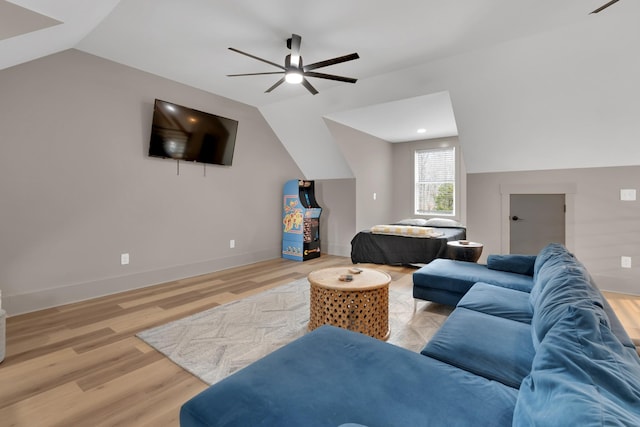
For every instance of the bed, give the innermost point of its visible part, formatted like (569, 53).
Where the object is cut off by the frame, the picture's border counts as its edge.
(382, 245)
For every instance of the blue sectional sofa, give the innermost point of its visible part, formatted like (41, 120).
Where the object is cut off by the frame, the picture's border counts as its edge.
(551, 353)
(446, 281)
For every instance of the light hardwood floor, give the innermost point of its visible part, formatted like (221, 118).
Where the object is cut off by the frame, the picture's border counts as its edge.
(82, 365)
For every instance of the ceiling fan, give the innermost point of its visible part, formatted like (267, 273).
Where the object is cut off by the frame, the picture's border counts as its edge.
(294, 71)
(604, 6)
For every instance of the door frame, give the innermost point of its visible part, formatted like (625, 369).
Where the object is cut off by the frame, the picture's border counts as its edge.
(569, 189)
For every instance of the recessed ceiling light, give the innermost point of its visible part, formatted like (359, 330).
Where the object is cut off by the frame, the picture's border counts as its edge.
(422, 130)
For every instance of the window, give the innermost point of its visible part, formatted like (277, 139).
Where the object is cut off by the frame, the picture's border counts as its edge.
(435, 173)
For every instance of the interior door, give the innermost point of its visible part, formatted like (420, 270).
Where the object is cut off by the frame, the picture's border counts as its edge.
(535, 221)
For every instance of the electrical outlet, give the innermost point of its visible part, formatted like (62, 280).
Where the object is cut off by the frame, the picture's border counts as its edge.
(625, 262)
(628, 194)
(375, 196)
(124, 259)
(232, 244)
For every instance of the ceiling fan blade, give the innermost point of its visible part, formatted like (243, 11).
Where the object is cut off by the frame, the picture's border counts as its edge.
(254, 74)
(604, 6)
(293, 64)
(310, 88)
(278, 83)
(330, 77)
(333, 61)
(255, 57)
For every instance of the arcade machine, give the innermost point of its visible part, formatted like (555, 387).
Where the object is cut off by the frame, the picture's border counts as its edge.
(300, 221)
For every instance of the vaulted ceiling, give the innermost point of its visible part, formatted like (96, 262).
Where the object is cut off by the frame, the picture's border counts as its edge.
(188, 40)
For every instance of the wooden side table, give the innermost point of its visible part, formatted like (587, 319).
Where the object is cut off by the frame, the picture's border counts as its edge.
(361, 305)
(464, 250)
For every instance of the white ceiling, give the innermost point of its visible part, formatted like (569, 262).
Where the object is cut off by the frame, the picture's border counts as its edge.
(187, 41)
(412, 119)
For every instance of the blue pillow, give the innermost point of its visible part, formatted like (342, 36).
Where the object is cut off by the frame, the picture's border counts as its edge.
(581, 376)
(521, 264)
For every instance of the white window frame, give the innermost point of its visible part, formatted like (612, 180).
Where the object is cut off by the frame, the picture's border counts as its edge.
(453, 180)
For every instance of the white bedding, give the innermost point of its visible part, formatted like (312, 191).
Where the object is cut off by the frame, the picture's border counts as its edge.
(406, 230)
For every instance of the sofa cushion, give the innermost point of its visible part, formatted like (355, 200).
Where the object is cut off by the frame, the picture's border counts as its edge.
(569, 285)
(459, 276)
(441, 296)
(550, 257)
(521, 264)
(498, 301)
(549, 252)
(581, 376)
(333, 376)
(490, 346)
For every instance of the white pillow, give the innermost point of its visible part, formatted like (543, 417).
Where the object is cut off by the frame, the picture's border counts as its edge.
(442, 222)
(413, 221)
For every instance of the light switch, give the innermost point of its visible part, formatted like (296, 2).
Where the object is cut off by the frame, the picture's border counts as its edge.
(628, 194)
(625, 262)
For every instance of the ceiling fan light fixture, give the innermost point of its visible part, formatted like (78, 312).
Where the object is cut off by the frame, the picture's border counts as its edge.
(293, 70)
(293, 77)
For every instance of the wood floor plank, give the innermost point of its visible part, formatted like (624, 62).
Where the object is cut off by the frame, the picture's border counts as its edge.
(43, 409)
(122, 366)
(16, 356)
(200, 286)
(179, 388)
(82, 365)
(63, 368)
(119, 395)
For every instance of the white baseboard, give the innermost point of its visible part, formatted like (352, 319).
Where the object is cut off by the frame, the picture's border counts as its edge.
(616, 284)
(338, 250)
(47, 298)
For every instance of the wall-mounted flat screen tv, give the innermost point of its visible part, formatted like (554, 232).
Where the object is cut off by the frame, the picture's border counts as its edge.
(183, 133)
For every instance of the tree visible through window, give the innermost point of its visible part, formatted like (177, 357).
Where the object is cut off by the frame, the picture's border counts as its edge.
(435, 173)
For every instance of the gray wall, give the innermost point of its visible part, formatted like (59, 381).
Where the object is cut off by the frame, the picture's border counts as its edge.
(600, 227)
(78, 188)
(385, 169)
(403, 177)
(337, 197)
(370, 159)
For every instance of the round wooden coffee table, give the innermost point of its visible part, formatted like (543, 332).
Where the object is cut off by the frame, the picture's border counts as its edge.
(361, 305)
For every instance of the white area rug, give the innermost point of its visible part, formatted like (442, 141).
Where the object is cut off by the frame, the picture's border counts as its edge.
(217, 342)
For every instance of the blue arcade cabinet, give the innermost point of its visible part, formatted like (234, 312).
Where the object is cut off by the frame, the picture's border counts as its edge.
(300, 221)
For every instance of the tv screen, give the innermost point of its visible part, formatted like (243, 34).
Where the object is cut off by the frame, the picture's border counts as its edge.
(183, 133)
